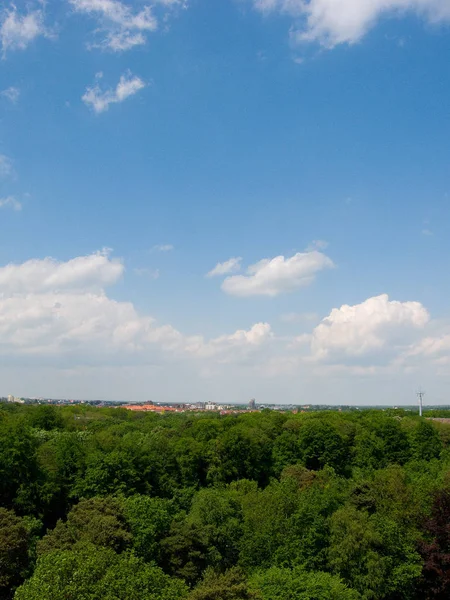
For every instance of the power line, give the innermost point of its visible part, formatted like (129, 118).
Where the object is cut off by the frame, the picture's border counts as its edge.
(420, 394)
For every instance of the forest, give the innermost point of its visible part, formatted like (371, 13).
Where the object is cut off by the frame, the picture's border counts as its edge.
(104, 503)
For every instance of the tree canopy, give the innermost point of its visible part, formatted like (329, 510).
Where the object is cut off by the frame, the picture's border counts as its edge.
(104, 503)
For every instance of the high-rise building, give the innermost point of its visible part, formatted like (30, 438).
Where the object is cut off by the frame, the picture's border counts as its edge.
(252, 404)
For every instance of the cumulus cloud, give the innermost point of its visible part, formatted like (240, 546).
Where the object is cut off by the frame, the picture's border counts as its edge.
(59, 311)
(12, 94)
(99, 100)
(433, 349)
(376, 325)
(10, 202)
(18, 30)
(225, 347)
(271, 277)
(229, 266)
(41, 275)
(122, 26)
(432, 346)
(332, 22)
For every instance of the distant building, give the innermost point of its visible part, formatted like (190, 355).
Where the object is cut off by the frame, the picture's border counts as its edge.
(211, 406)
(10, 398)
(252, 404)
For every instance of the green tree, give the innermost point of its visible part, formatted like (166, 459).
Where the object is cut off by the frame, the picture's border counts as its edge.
(61, 459)
(218, 512)
(149, 521)
(425, 441)
(88, 572)
(185, 551)
(285, 451)
(46, 416)
(108, 473)
(241, 453)
(396, 447)
(14, 552)
(321, 444)
(19, 470)
(296, 584)
(373, 554)
(231, 585)
(100, 521)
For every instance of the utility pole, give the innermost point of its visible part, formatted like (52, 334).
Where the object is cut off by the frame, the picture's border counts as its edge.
(420, 395)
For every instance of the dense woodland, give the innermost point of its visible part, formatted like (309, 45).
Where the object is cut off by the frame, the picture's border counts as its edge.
(108, 504)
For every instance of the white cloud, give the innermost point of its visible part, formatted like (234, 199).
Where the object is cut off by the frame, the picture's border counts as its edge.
(10, 202)
(42, 275)
(163, 248)
(332, 22)
(12, 94)
(224, 347)
(271, 277)
(59, 312)
(229, 266)
(376, 325)
(17, 30)
(433, 348)
(123, 27)
(6, 167)
(100, 100)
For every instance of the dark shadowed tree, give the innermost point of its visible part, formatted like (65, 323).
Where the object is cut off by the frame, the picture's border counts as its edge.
(435, 584)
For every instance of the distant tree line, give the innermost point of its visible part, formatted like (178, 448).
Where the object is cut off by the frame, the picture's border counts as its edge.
(99, 503)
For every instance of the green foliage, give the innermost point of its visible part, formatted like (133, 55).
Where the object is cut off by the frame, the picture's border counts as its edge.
(425, 441)
(108, 473)
(231, 585)
(14, 552)
(19, 471)
(285, 451)
(91, 573)
(99, 521)
(373, 554)
(259, 506)
(218, 513)
(321, 444)
(185, 551)
(46, 416)
(296, 584)
(241, 453)
(149, 521)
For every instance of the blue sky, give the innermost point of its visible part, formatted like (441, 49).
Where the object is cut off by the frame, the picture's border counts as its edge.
(143, 145)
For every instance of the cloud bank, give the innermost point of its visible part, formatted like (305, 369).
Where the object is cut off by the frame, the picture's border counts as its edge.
(59, 312)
